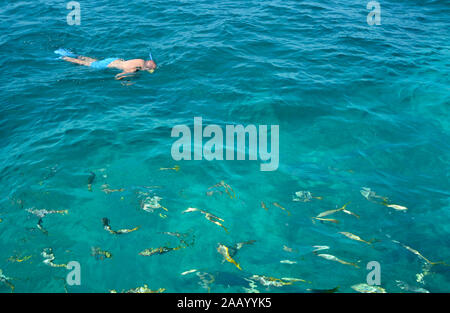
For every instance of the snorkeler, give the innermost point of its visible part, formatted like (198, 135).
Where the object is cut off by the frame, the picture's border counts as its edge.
(128, 67)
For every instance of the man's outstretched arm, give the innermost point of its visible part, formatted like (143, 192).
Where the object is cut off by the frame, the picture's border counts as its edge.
(124, 74)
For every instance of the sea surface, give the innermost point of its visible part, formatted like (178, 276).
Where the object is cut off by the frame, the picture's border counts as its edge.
(358, 106)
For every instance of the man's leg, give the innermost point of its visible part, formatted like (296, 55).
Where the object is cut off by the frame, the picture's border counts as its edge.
(80, 60)
(88, 59)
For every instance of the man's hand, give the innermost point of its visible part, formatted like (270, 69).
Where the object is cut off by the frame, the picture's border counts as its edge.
(124, 74)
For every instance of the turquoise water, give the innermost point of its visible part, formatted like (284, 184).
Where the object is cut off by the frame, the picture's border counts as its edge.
(357, 106)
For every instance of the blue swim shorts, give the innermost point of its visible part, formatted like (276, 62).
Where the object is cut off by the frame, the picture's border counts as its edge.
(102, 64)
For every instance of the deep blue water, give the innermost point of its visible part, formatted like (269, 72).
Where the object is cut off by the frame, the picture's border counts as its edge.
(357, 106)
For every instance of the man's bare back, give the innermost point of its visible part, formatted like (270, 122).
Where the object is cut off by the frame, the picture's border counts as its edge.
(132, 66)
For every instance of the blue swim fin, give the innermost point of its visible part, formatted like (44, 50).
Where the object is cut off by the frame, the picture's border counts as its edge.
(65, 53)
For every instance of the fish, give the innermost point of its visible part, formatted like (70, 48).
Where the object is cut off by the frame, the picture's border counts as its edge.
(335, 289)
(43, 212)
(40, 227)
(252, 286)
(333, 258)
(19, 260)
(108, 191)
(304, 196)
(404, 286)
(49, 257)
(210, 217)
(294, 280)
(371, 195)
(270, 281)
(421, 256)
(182, 237)
(100, 254)
(354, 237)
(263, 205)
(332, 211)
(229, 191)
(239, 245)
(107, 227)
(426, 270)
(151, 203)
(6, 280)
(365, 288)
(189, 272)
(318, 248)
(396, 207)
(143, 289)
(325, 220)
(350, 213)
(91, 179)
(160, 250)
(279, 206)
(224, 251)
(175, 168)
(288, 262)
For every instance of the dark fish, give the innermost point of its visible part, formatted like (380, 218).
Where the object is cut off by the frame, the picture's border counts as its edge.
(91, 180)
(40, 227)
(324, 290)
(105, 221)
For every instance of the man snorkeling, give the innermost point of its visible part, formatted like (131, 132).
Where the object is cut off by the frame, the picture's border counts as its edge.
(128, 67)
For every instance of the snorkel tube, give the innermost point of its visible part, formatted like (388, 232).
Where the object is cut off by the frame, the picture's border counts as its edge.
(151, 59)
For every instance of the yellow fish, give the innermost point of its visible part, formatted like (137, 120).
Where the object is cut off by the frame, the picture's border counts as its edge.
(175, 168)
(263, 205)
(350, 213)
(224, 251)
(210, 217)
(354, 237)
(421, 256)
(227, 188)
(332, 211)
(325, 220)
(279, 206)
(333, 258)
(16, 259)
